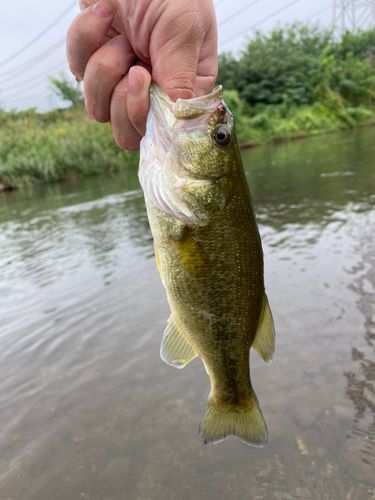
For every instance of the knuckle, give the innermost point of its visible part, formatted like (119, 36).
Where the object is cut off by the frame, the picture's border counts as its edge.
(79, 31)
(86, 32)
(103, 70)
(197, 32)
(119, 95)
(191, 26)
(104, 67)
(83, 4)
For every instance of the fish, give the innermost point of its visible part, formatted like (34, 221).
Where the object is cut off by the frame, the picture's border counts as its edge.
(209, 255)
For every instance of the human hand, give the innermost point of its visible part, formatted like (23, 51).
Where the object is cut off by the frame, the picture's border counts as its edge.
(118, 46)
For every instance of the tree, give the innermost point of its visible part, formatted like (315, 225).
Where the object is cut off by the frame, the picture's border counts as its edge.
(301, 65)
(282, 67)
(66, 90)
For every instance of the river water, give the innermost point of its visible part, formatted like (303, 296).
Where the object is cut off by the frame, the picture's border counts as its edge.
(87, 408)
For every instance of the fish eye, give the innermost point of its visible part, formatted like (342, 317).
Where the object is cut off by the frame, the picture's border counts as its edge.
(222, 136)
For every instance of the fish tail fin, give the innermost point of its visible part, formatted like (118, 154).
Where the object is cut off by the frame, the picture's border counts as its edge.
(247, 424)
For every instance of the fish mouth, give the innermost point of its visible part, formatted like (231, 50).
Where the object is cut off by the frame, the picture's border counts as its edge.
(184, 115)
(186, 109)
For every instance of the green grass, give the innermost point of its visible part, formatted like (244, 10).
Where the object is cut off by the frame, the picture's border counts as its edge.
(279, 123)
(53, 146)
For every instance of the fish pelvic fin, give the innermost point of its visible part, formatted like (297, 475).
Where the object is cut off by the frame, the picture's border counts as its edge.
(247, 424)
(175, 349)
(264, 341)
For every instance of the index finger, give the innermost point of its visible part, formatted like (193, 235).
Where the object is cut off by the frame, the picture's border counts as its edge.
(117, 27)
(86, 34)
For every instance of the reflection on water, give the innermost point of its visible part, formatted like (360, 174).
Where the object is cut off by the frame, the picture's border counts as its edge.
(361, 380)
(88, 410)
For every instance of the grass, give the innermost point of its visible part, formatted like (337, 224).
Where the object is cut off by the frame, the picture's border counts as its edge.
(53, 146)
(280, 123)
(62, 144)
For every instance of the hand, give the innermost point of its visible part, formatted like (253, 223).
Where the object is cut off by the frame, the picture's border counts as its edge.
(118, 46)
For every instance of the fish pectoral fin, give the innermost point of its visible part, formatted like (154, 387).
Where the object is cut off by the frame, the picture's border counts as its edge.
(247, 424)
(264, 341)
(175, 349)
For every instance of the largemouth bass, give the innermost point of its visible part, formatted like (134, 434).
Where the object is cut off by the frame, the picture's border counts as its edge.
(209, 255)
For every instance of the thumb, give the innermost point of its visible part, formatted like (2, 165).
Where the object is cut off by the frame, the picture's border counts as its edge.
(174, 68)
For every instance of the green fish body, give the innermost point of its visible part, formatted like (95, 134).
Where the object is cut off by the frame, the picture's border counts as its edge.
(209, 255)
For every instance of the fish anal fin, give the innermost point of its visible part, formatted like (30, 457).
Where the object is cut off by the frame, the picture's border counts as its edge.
(264, 341)
(175, 349)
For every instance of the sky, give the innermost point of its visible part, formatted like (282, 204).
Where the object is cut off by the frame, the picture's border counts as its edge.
(32, 39)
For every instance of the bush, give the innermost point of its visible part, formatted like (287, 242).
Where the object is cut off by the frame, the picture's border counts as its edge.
(55, 145)
(295, 66)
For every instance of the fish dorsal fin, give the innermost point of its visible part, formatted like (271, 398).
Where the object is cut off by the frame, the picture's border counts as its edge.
(264, 341)
(175, 349)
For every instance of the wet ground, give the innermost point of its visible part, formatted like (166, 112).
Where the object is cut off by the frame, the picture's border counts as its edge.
(87, 408)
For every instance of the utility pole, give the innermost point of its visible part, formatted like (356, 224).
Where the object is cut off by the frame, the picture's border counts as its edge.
(352, 15)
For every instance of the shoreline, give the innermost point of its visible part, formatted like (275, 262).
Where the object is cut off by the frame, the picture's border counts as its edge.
(278, 141)
(8, 186)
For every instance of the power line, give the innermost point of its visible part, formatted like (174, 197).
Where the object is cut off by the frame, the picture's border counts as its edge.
(240, 11)
(26, 13)
(321, 11)
(56, 67)
(32, 62)
(17, 95)
(33, 96)
(246, 30)
(38, 37)
(35, 84)
(31, 86)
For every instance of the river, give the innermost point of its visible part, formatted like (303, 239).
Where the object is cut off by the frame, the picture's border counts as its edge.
(87, 408)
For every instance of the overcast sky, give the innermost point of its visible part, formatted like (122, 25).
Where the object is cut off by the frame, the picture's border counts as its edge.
(23, 78)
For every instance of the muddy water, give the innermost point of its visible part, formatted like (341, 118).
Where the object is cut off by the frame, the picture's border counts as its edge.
(88, 410)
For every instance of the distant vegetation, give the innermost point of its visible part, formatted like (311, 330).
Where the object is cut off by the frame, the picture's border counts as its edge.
(54, 146)
(64, 89)
(290, 83)
(300, 81)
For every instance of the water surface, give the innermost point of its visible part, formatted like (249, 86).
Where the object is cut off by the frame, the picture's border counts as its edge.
(88, 409)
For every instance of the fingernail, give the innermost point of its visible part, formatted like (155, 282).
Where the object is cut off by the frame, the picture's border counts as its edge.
(102, 8)
(135, 83)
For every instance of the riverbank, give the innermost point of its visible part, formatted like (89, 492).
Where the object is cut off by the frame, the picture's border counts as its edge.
(62, 144)
(274, 124)
(55, 146)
